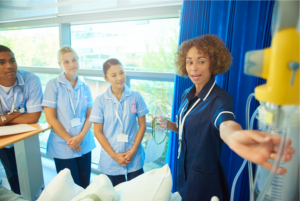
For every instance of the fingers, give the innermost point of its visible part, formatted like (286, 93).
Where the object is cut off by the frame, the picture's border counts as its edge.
(269, 165)
(287, 156)
(261, 137)
(69, 141)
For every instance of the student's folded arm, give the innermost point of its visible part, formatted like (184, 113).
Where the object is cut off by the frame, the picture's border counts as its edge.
(9, 118)
(56, 125)
(26, 118)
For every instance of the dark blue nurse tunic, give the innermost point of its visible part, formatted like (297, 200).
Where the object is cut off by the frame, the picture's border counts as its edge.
(200, 174)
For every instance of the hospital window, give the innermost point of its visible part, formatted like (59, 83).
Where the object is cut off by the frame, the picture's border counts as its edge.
(152, 50)
(144, 45)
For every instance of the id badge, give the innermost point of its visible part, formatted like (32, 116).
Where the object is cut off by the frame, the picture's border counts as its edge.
(75, 122)
(122, 138)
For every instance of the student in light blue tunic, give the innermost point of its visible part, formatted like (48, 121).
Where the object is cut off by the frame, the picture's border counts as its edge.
(68, 103)
(20, 103)
(115, 114)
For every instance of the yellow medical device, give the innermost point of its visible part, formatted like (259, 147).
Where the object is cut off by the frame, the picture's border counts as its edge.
(280, 100)
(279, 64)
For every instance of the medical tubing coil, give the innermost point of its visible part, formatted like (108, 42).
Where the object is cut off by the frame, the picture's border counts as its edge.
(274, 167)
(245, 161)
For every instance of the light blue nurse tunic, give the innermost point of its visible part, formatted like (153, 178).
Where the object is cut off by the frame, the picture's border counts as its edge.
(32, 94)
(103, 112)
(56, 95)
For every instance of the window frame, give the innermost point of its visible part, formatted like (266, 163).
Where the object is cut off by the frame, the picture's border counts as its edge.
(64, 22)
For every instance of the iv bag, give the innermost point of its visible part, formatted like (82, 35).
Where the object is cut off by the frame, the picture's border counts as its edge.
(283, 187)
(156, 143)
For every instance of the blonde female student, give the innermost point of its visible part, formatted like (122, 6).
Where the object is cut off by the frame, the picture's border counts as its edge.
(68, 103)
(114, 115)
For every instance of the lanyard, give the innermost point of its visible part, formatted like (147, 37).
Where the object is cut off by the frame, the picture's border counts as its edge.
(181, 123)
(72, 106)
(124, 112)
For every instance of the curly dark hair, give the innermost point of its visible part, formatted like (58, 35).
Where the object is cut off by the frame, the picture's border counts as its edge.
(211, 45)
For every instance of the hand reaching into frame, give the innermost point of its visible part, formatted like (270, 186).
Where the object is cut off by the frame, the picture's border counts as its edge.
(258, 147)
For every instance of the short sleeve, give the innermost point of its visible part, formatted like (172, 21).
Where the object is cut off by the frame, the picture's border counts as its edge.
(97, 114)
(223, 110)
(89, 97)
(35, 95)
(141, 106)
(50, 95)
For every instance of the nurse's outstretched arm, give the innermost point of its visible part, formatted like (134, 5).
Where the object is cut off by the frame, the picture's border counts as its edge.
(118, 157)
(75, 141)
(253, 145)
(56, 125)
(138, 138)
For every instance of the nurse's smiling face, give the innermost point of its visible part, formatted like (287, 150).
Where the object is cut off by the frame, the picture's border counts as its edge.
(115, 75)
(69, 63)
(198, 67)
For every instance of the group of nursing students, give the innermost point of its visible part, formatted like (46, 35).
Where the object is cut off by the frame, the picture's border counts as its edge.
(205, 120)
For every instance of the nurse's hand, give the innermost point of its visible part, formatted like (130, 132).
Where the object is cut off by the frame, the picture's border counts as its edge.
(77, 149)
(163, 121)
(74, 142)
(258, 147)
(129, 155)
(255, 146)
(121, 160)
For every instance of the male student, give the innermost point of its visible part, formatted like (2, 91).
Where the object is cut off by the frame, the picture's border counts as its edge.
(20, 103)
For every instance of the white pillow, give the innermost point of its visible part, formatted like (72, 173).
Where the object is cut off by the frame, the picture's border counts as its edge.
(100, 189)
(153, 185)
(61, 188)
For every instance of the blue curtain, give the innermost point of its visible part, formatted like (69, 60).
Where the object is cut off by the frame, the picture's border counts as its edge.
(243, 26)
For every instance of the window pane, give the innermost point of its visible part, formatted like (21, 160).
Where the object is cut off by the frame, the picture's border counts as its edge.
(44, 135)
(33, 47)
(155, 93)
(145, 45)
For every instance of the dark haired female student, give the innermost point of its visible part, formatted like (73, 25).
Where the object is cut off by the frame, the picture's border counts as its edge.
(114, 115)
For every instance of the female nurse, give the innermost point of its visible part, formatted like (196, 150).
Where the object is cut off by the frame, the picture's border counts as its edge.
(206, 119)
(115, 115)
(68, 103)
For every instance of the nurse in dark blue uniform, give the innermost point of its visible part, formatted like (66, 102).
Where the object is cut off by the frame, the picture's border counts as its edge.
(206, 119)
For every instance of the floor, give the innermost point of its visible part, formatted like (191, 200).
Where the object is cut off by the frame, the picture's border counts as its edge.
(49, 172)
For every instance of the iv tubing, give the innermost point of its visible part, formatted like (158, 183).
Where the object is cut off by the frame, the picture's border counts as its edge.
(248, 109)
(274, 167)
(236, 178)
(245, 161)
(249, 163)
